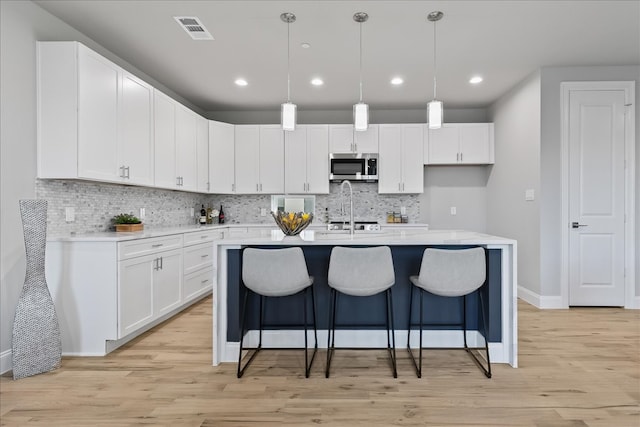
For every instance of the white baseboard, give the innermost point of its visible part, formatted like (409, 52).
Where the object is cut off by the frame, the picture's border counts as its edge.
(5, 361)
(539, 301)
(635, 303)
(364, 339)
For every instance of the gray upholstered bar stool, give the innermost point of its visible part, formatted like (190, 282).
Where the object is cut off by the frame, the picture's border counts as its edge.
(451, 273)
(361, 272)
(276, 273)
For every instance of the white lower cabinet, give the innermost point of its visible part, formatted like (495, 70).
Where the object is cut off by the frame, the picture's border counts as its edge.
(107, 292)
(149, 285)
(199, 267)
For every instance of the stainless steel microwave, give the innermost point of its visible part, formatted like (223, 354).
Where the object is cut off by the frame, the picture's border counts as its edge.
(353, 166)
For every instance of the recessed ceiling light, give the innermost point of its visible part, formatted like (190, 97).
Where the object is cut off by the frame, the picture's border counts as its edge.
(475, 80)
(241, 82)
(397, 81)
(305, 45)
(317, 82)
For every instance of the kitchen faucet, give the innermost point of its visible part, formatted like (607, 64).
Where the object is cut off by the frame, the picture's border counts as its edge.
(351, 223)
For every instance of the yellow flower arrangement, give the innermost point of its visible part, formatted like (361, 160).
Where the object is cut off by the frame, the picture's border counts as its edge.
(292, 223)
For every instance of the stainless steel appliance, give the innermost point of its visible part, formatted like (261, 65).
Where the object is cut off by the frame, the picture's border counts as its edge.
(353, 166)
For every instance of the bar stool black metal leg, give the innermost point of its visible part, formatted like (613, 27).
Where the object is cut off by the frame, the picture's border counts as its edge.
(315, 332)
(391, 331)
(486, 371)
(242, 332)
(331, 330)
(485, 331)
(464, 322)
(420, 340)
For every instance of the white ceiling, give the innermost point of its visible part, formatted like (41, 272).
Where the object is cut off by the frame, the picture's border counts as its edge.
(504, 41)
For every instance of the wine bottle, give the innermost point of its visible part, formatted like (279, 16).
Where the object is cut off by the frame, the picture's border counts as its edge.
(203, 215)
(221, 216)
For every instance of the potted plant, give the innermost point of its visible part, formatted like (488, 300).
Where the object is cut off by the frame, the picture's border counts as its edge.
(127, 222)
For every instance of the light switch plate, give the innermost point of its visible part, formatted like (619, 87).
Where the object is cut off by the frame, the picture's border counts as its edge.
(263, 212)
(454, 211)
(142, 213)
(529, 195)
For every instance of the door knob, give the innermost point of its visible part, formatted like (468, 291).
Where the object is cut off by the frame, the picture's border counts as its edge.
(577, 225)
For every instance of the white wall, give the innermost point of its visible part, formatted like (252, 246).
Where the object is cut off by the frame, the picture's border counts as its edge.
(462, 187)
(516, 117)
(22, 23)
(551, 134)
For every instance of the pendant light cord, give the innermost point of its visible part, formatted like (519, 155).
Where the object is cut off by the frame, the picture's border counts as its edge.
(288, 65)
(360, 61)
(435, 64)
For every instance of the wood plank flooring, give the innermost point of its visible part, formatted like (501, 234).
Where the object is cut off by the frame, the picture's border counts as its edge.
(578, 367)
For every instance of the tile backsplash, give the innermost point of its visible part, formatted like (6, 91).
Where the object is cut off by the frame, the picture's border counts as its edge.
(96, 203)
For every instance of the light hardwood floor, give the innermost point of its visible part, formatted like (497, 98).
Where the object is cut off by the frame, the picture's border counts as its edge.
(578, 367)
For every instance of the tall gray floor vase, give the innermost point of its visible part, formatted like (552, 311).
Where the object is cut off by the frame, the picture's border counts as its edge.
(36, 344)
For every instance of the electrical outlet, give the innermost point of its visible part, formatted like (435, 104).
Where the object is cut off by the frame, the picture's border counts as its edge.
(454, 211)
(142, 213)
(263, 212)
(70, 214)
(193, 212)
(403, 210)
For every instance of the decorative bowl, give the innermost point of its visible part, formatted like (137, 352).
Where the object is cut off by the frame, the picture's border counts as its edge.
(292, 223)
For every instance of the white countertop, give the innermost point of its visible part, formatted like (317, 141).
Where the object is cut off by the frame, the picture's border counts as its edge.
(265, 234)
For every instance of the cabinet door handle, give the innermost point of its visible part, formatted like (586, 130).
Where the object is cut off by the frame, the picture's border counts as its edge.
(204, 281)
(260, 187)
(156, 264)
(127, 169)
(257, 187)
(233, 187)
(161, 263)
(121, 171)
(177, 180)
(461, 156)
(157, 245)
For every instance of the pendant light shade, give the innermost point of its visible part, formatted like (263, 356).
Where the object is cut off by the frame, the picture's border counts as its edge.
(360, 110)
(288, 115)
(288, 111)
(434, 114)
(360, 116)
(434, 108)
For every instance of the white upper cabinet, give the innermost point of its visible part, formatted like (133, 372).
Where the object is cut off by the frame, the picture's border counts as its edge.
(221, 157)
(136, 130)
(94, 118)
(271, 159)
(176, 134)
(202, 154)
(343, 139)
(259, 159)
(460, 143)
(401, 158)
(186, 161)
(165, 140)
(307, 159)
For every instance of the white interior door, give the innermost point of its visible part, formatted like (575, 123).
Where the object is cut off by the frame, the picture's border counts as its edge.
(596, 197)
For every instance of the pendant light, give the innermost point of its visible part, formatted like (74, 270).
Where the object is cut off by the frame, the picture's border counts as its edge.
(288, 111)
(360, 110)
(434, 108)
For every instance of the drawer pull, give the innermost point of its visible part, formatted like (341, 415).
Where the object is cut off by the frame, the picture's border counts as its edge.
(204, 281)
(204, 256)
(157, 245)
(203, 237)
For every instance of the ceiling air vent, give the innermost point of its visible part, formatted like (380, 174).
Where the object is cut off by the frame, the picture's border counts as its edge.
(193, 27)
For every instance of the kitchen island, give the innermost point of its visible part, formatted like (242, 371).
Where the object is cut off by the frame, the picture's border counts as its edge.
(407, 247)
